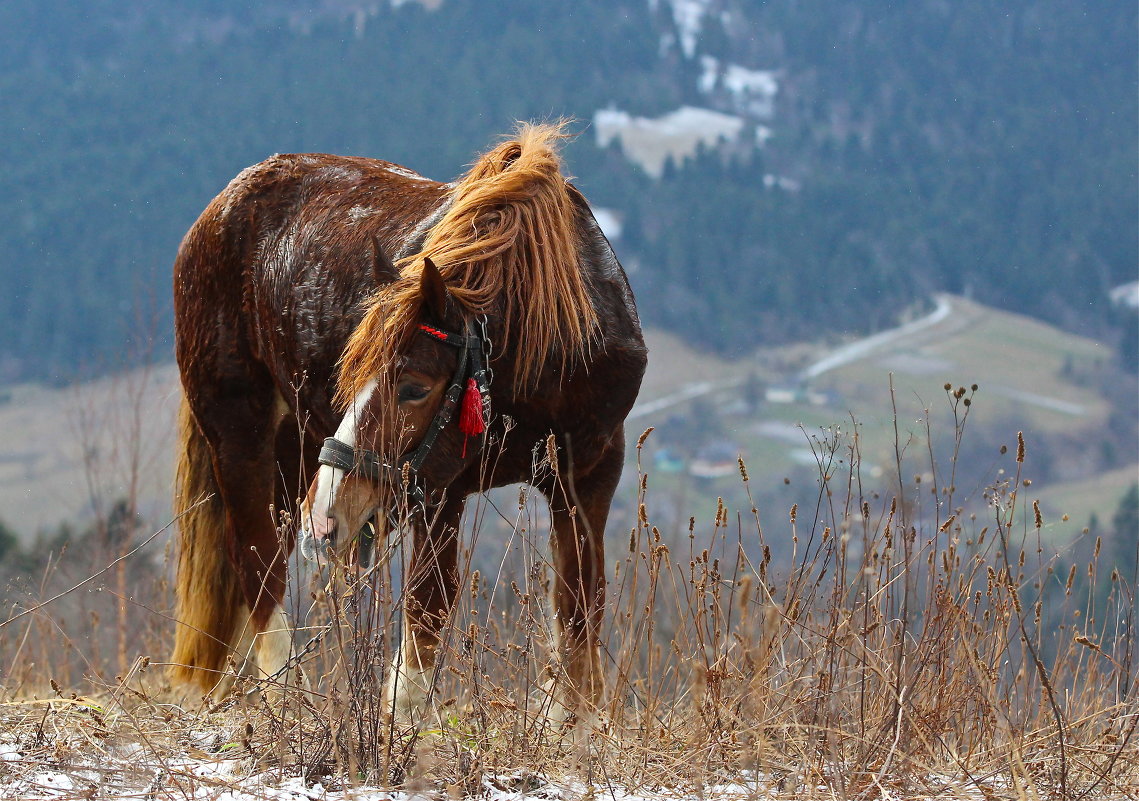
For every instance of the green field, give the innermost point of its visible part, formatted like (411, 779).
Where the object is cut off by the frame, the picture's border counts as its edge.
(1031, 378)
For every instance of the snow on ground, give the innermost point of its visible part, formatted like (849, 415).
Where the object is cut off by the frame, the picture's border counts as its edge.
(610, 222)
(780, 181)
(649, 142)
(119, 765)
(689, 18)
(1126, 295)
(752, 92)
(687, 393)
(135, 773)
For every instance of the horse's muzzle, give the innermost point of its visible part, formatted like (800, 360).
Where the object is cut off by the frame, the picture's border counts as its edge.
(317, 537)
(317, 540)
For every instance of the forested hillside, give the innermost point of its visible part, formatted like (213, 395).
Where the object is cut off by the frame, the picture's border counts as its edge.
(975, 147)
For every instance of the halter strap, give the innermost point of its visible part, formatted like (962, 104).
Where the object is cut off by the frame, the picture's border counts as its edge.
(342, 456)
(468, 340)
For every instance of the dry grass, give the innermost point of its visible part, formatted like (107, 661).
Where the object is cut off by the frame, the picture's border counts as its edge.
(905, 649)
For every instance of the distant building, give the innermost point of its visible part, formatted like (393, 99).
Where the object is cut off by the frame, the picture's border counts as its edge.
(667, 461)
(799, 393)
(716, 460)
(781, 393)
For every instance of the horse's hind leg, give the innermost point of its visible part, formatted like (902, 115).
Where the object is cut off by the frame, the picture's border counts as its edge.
(241, 424)
(429, 596)
(579, 506)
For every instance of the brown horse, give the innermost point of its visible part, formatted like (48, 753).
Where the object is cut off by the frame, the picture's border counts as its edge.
(441, 333)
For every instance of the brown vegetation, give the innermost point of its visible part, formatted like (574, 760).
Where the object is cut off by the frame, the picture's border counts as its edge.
(918, 655)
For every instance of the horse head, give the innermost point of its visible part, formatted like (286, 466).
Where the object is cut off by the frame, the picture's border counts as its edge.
(413, 427)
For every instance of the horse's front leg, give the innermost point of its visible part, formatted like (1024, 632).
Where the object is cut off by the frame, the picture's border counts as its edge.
(429, 595)
(580, 508)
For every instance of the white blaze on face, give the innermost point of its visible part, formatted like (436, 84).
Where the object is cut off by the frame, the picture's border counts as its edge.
(317, 512)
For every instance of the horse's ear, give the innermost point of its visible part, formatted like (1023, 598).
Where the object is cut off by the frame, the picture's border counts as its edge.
(433, 290)
(382, 267)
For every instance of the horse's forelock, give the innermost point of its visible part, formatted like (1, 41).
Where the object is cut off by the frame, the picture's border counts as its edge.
(378, 342)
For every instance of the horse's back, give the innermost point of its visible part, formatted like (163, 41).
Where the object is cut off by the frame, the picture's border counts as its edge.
(341, 200)
(275, 270)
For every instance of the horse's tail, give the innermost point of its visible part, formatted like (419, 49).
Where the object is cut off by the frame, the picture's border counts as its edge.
(208, 593)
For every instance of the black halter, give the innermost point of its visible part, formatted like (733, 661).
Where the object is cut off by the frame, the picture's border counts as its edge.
(473, 353)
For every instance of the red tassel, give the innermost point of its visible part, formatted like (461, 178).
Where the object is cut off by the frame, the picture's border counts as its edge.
(471, 421)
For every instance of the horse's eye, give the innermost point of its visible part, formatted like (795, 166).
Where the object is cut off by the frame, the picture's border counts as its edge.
(413, 392)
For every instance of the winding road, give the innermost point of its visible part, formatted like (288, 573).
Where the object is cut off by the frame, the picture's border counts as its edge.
(846, 354)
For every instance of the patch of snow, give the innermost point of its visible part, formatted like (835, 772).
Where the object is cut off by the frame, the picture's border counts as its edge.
(218, 786)
(357, 213)
(781, 182)
(608, 122)
(142, 779)
(1126, 295)
(609, 221)
(690, 391)
(689, 18)
(53, 781)
(740, 81)
(650, 142)
(803, 456)
(751, 91)
(396, 169)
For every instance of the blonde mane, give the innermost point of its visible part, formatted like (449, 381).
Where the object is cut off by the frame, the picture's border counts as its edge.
(507, 245)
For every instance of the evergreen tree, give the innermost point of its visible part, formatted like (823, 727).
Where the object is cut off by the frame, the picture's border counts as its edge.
(1125, 532)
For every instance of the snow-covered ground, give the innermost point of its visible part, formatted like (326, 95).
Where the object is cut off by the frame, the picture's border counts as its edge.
(752, 92)
(689, 18)
(132, 771)
(1126, 295)
(610, 222)
(650, 142)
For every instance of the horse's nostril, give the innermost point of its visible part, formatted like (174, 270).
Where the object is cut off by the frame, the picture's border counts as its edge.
(317, 536)
(321, 527)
